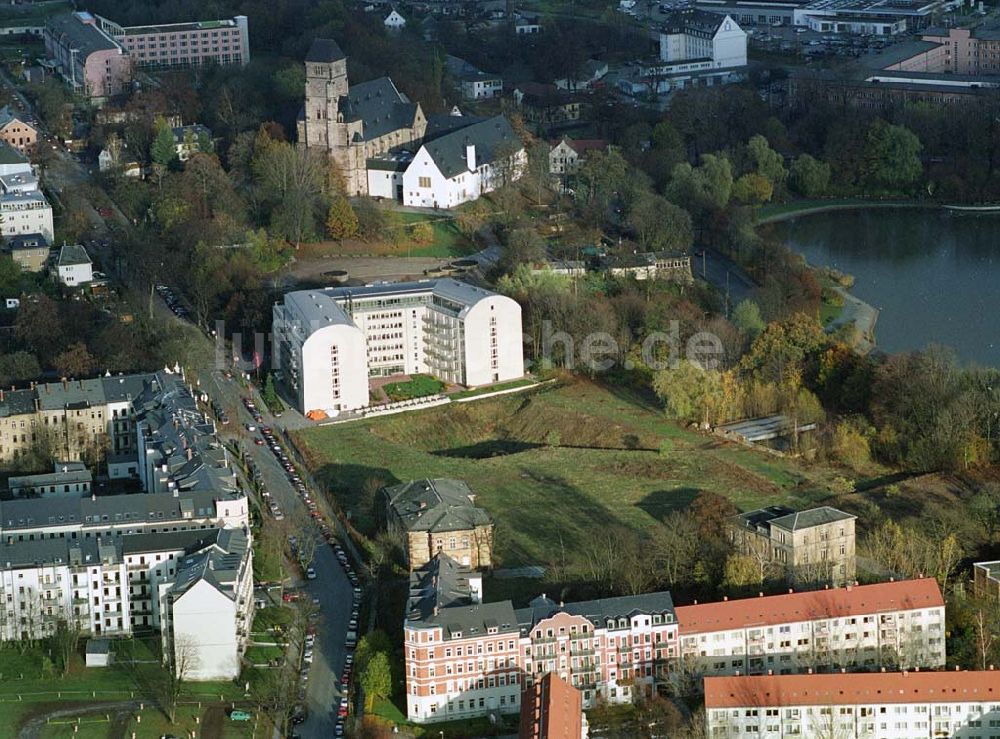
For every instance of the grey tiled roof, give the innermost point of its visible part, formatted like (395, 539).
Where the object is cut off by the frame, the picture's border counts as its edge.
(440, 596)
(72, 254)
(10, 155)
(599, 611)
(379, 106)
(324, 51)
(812, 517)
(219, 565)
(192, 540)
(436, 505)
(86, 37)
(790, 519)
(490, 137)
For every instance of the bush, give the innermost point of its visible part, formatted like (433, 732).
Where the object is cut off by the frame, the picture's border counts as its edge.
(417, 387)
(842, 486)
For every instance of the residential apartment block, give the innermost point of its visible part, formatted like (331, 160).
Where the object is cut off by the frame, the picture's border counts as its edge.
(811, 546)
(173, 559)
(440, 516)
(893, 625)
(97, 57)
(23, 208)
(329, 342)
(467, 658)
(92, 63)
(891, 705)
(173, 45)
(115, 585)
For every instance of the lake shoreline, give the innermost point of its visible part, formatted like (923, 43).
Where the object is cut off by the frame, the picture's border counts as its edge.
(820, 207)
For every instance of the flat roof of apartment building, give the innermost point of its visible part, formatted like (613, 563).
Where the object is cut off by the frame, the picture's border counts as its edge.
(178, 27)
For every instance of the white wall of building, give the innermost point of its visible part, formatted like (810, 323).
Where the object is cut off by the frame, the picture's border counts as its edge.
(73, 275)
(205, 634)
(493, 345)
(334, 370)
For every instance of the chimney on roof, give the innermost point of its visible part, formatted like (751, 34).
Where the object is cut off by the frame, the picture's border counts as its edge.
(696, 602)
(770, 672)
(790, 591)
(435, 610)
(957, 668)
(892, 579)
(855, 582)
(843, 670)
(737, 673)
(826, 586)
(725, 598)
(883, 669)
(93, 496)
(190, 454)
(470, 155)
(849, 587)
(991, 668)
(917, 668)
(65, 383)
(81, 384)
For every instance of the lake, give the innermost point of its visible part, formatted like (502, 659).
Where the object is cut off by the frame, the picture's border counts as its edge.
(934, 275)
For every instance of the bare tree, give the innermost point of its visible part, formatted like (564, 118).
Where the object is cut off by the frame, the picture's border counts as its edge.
(184, 661)
(982, 623)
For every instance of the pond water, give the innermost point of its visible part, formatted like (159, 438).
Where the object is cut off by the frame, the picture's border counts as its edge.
(934, 275)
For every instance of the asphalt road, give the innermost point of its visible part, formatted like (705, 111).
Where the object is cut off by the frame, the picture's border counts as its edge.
(331, 585)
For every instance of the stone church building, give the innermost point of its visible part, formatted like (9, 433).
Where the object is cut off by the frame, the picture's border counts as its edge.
(354, 123)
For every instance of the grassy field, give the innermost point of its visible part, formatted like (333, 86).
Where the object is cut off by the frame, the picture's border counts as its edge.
(567, 460)
(448, 241)
(27, 689)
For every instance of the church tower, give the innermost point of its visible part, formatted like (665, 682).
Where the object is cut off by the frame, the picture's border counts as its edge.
(326, 83)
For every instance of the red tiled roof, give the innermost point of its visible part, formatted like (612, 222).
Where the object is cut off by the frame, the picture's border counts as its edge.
(551, 709)
(831, 603)
(583, 145)
(852, 689)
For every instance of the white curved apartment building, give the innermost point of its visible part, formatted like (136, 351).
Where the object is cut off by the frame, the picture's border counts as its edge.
(330, 342)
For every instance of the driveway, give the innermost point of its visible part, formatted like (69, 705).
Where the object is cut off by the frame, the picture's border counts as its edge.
(331, 585)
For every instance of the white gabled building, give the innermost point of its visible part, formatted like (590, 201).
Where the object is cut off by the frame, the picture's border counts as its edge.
(73, 266)
(892, 624)
(463, 164)
(394, 21)
(880, 705)
(329, 342)
(208, 609)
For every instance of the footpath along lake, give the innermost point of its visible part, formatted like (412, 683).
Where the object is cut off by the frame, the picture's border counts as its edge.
(933, 275)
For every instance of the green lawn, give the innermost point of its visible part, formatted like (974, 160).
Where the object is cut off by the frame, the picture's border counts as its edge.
(417, 386)
(25, 684)
(448, 240)
(261, 655)
(570, 460)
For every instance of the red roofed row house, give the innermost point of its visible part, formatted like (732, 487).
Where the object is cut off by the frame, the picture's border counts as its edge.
(891, 705)
(466, 658)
